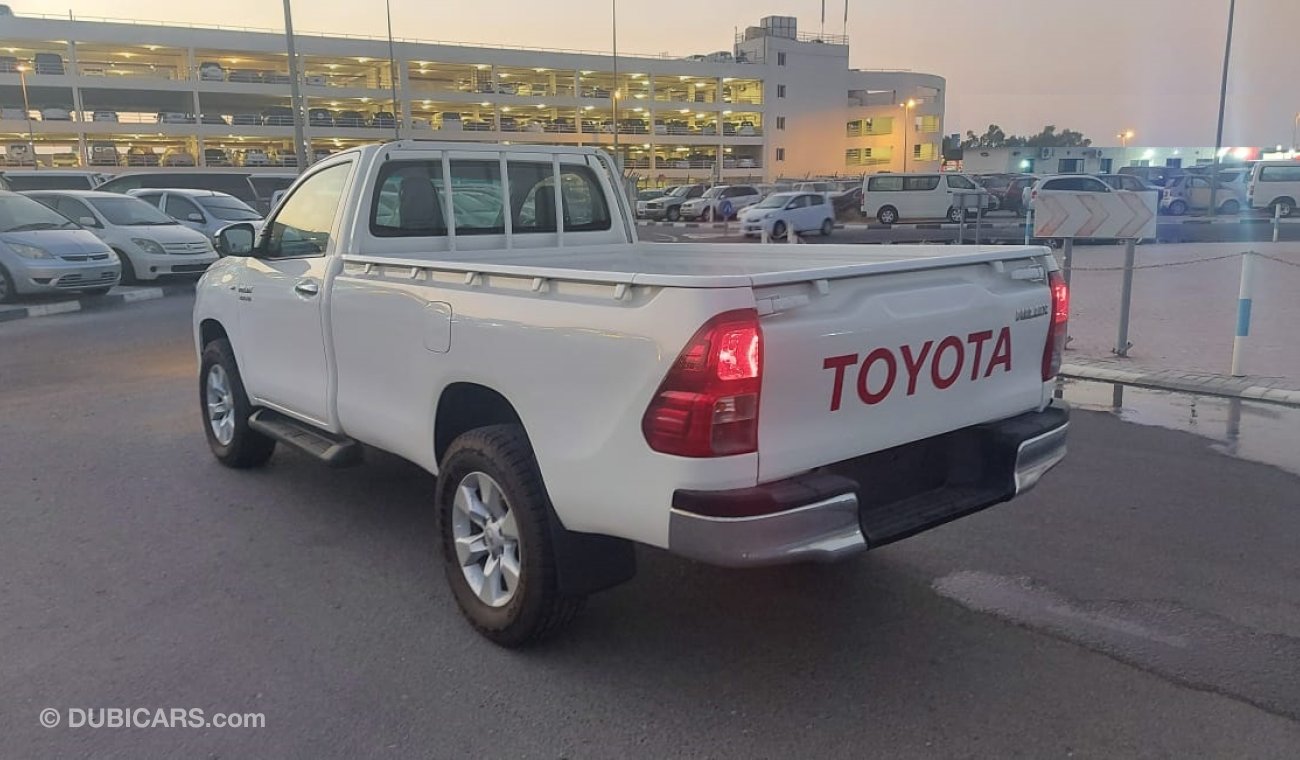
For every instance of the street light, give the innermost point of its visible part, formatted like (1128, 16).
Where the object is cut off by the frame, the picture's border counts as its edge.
(27, 111)
(1295, 134)
(1124, 137)
(907, 117)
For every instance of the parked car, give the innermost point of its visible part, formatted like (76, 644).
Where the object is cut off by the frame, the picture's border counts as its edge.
(177, 157)
(315, 80)
(847, 203)
(779, 213)
(104, 154)
(13, 114)
(48, 63)
(1191, 193)
(320, 117)
(1275, 186)
(737, 415)
(1159, 176)
(41, 251)
(8, 64)
(1015, 198)
(256, 157)
(56, 113)
(670, 206)
(999, 187)
(248, 76)
(174, 117)
(213, 118)
(384, 119)
(709, 205)
(645, 196)
(141, 156)
(245, 120)
(1064, 183)
(109, 117)
(891, 198)
(1127, 182)
(204, 211)
(216, 157)
(211, 71)
(149, 243)
(351, 119)
(253, 189)
(22, 181)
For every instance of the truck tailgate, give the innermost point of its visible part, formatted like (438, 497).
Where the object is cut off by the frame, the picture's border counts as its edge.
(861, 364)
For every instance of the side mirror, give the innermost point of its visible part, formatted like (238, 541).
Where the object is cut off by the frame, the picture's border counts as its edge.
(195, 216)
(88, 221)
(235, 239)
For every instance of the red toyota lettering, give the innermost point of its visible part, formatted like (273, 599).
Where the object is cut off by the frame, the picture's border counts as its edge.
(838, 363)
(1001, 352)
(864, 393)
(941, 382)
(914, 365)
(977, 339)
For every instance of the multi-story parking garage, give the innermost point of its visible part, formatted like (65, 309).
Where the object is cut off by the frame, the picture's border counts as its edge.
(778, 104)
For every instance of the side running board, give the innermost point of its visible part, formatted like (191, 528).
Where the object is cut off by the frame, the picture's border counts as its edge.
(333, 450)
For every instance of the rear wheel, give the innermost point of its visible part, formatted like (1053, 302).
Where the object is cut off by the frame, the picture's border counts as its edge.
(1178, 208)
(778, 230)
(226, 410)
(674, 214)
(887, 215)
(956, 215)
(706, 215)
(1284, 207)
(1230, 207)
(493, 514)
(828, 226)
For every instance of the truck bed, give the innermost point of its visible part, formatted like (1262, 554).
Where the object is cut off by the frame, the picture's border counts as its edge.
(710, 265)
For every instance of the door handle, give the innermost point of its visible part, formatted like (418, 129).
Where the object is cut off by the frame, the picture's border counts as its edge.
(306, 288)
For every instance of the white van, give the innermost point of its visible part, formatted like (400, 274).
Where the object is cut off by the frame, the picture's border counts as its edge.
(910, 197)
(1275, 184)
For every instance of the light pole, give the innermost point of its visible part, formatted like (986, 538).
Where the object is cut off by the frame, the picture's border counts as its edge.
(1223, 96)
(1124, 137)
(27, 111)
(1295, 135)
(907, 118)
(295, 92)
(613, 93)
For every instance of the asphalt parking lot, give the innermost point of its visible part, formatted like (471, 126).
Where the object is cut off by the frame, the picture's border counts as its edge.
(1141, 603)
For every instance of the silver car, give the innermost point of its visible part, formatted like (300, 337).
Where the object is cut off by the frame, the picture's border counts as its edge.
(206, 211)
(41, 251)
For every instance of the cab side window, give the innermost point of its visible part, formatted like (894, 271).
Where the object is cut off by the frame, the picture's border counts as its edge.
(178, 207)
(302, 226)
(73, 209)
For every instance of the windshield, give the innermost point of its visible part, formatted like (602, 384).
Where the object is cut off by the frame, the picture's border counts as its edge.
(681, 192)
(130, 212)
(19, 213)
(712, 192)
(774, 201)
(229, 209)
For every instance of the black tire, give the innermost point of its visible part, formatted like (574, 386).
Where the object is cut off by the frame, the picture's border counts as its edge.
(96, 292)
(956, 215)
(537, 608)
(887, 215)
(7, 291)
(674, 214)
(1285, 207)
(828, 226)
(1178, 208)
(247, 448)
(1230, 207)
(128, 271)
(706, 215)
(778, 230)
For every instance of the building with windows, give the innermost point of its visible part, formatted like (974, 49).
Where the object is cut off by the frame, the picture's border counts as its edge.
(779, 104)
(1094, 159)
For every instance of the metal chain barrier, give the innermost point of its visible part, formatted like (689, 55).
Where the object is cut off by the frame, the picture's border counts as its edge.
(1187, 263)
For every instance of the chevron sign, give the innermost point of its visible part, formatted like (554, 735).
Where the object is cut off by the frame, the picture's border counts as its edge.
(1122, 215)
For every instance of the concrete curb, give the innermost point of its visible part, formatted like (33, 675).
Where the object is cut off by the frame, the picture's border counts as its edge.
(93, 303)
(1268, 390)
(986, 225)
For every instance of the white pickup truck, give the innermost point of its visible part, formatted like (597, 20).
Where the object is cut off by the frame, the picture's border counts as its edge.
(577, 391)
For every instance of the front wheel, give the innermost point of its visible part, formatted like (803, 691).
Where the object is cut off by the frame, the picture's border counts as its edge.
(1230, 208)
(706, 215)
(493, 514)
(226, 410)
(1177, 208)
(827, 227)
(128, 270)
(887, 215)
(7, 290)
(1284, 208)
(778, 230)
(674, 214)
(956, 215)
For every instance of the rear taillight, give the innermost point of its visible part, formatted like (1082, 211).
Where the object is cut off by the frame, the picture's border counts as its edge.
(1059, 326)
(707, 405)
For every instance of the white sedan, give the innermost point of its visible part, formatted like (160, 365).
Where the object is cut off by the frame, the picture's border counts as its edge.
(778, 213)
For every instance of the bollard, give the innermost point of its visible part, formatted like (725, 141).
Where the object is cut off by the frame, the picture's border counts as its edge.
(763, 237)
(1245, 294)
(790, 235)
(1126, 297)
(1029, 224)
(1067, 265)
(1277, 220)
